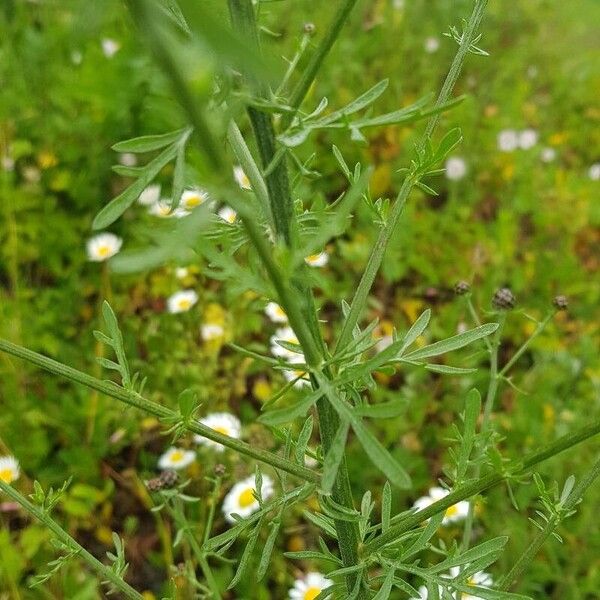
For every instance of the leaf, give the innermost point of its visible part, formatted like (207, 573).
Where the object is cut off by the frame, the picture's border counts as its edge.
(448, 370)
(267, 549)
(179, 173)
(116, 207)
(386, 589)
(312, 555)
(471, 414)
(385, 410)
(246, 556)
(491, 547)
(452, 139)
(334, 457)
(379, 456)
(416, 329)
(303, 439)
(173, 12)
(386, 506)
(357, 104)
(289, 413)
(111, 323)
(322, 522)
(147, 143)
(453, 343)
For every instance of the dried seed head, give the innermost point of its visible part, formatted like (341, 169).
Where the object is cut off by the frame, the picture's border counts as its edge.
(309, 28)
(219, 470)
(504, 299)
(560, 302)
(168, 478)
(461, 288)
(155, 484)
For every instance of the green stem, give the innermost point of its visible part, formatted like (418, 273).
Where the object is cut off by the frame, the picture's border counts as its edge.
(278, 185)
(308, 76)
(362, 292)
(105, 572)
(403, 524)
(530, 552)
(485, 423)
(515, 357)
(162, 412)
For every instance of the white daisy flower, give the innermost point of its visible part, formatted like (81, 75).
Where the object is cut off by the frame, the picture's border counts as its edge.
(102, 246)
(286, 334)
(548, 155)
(456, 168)
(275, 313)
(317, 260)
(180, 212)
(128, 159)
(176, 458)
(181, 301)
(309, 586)
(241, 498)
(9, 469)
(110, 47)
(150, 195)
(508, 140)
(181, 272)
(193, 198)
(211, 331)
(594, 172)
(224, 423)
(228, 214)
(431, 45)
(423, 593)
(454, 513)
(528, 138)
(241, 178)
(160, 208)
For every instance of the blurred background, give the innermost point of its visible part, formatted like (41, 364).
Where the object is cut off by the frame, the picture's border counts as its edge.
(517, 207)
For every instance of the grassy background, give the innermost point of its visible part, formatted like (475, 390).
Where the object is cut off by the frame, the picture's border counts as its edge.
(513, 220)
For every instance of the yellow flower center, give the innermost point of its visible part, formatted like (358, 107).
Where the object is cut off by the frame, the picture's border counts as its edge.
(193, 201)
(177, 456)
(184, 304)
(103, 251)
(452, 511)
(231, 217)
(247, 498)
(312, 593)
(312, 258)
(280, 312)
(221, 429)
(6, 475)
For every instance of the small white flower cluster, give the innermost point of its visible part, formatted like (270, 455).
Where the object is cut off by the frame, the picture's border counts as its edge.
(317, 260)
(456, 512)
(9, 469)
(103, 246)
(181, 301)
(309, 586)
(160, 207)
(510, 140)
(481, 579)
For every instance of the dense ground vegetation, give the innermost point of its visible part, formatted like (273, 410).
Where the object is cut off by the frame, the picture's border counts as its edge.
(517, 207)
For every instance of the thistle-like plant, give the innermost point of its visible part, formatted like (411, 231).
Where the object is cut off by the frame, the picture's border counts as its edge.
(372, 552)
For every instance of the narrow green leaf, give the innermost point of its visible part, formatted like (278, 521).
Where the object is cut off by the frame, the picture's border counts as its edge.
(416, 329)
(385, 410)
(116, 207)
(267, 549)
(303, 439)
(386, 589)
(246, 556)
(453, 343)
(448, 370)
(386, 506)
(286, 414)
(471, 414)
(147, 143)
(334, 457)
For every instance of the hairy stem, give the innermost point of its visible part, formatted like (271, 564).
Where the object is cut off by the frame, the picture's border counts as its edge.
(403, 524)
(153, 408)
(106, 573)
(364, 287)
(528, 555)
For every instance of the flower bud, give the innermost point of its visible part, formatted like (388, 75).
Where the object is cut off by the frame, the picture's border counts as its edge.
(504, 299)
(461, 288)
(168, 478)
(309, 28)
(560, 302)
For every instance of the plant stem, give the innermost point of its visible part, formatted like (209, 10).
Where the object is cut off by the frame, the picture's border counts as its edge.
(282, 208)
(528, 555)
(106, 573)
(405, 523)
(485, 422)
(515, 357)
(364, 287)
(162, 412)
(308, 76)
